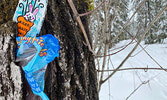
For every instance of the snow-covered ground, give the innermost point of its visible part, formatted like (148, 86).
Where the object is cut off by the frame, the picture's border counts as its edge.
(123, 83)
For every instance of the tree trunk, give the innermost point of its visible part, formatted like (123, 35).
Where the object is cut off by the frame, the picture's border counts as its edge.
(72, 76)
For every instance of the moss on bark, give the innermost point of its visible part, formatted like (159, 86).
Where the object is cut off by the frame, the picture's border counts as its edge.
(7, 10)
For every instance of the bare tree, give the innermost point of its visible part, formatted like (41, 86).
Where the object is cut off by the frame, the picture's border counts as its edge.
(105, 34)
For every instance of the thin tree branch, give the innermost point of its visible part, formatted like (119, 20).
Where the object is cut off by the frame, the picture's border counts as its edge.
(127, 69)
(106, 44)
(139, 51)
(143, 83)
(118, 50)
(137, 89)
(87, 13)
(80, 24)
(101, 79)
(120, 46)
(128, 21)
(146, 30)
(109, 33)
(145, 51)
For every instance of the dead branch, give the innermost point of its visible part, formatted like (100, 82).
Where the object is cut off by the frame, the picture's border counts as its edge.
(80, 24)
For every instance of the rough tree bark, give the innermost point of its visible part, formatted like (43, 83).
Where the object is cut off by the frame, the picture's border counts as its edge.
(72, 76)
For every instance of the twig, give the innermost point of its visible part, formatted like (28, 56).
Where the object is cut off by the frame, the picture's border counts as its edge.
(111, 63)
(144, 82)
(139, 77)
(119, 50)
(98, 68)
(80, 24)
(101, 81)
(153, 59)
(87, 13)
(137, 89)
(110, 25)
(145, 51)
(127, 69)
(144, 33)
(139, 51)
(120, 47)
(129, 20)
(108, 80)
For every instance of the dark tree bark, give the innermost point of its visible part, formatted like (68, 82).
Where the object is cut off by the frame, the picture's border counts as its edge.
(72, 76)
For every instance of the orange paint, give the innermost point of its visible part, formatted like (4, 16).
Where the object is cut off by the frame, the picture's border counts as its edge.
(23, 26)
(43, 53)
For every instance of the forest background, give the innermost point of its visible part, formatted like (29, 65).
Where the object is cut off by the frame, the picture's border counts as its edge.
(97, 38)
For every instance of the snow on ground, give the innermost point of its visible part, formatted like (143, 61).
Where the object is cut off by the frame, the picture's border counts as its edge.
(123, 83)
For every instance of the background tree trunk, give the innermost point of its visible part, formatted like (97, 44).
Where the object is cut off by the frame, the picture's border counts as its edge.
(72, 76)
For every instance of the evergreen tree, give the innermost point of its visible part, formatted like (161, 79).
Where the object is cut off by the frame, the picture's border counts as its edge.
(122, 17)
(146, 14)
